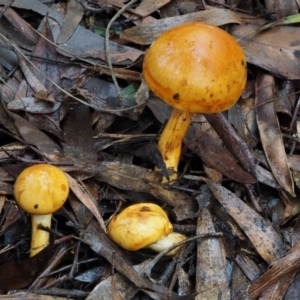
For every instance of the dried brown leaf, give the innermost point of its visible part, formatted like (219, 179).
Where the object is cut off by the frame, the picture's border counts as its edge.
(294, 162)
(31, 105)
(280, 269)
(138, 179)
(72, 18)
(277, 290)
(232, 141)
(281, 8)
(211, 262)
(270, 134)
(47, 66)
(104, 95)
(266, 177)
(78, 142)
(17, 274)
(293, 290)
(145, 35)
(219, 158)
(264, 48)
(76, 45)
(249, 266)
(147, 7)
(184, 283)
(37, 138)
(86, 200)
(260, 232)
(243, 118)
(104, 290)
(286, 97)
(19, 24)
(32, 79)
(292, 207)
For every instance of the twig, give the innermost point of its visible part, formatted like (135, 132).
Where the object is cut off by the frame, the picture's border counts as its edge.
(89, 8)
(107, 34)
(147, 270)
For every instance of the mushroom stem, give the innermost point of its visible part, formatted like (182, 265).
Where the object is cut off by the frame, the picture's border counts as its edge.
(166, 242)
(39, 237)
(170, 142)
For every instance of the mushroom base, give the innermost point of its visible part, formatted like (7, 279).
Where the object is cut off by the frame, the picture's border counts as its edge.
(39, 237)
(167, 242)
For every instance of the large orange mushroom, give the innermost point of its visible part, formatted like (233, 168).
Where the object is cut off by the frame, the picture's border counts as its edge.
(195, 68)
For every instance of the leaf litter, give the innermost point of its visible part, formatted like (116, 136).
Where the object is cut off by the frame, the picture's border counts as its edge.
(236, 196)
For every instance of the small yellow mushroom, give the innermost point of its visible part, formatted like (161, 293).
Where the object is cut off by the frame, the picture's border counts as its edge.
(41, 190)
(144, 225)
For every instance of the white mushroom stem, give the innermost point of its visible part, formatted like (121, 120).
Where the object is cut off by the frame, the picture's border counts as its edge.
(39, 237)
(170, 142)
(167, 242)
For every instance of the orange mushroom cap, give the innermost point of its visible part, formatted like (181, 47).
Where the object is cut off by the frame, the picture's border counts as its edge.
(196, 67)
(41, 189)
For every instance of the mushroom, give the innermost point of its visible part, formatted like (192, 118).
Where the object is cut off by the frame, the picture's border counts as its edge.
(41, 190)
(144, 225)
(195, 68)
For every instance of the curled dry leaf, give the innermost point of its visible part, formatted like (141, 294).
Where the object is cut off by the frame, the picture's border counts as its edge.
(72, 18)
(145, 35)
(270, 134)
(86, 199)
(211, 261)
(264, 238)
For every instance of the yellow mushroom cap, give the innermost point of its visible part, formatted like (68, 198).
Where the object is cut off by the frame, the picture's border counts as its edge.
(196, 67)
(139, 225)
(41, 189)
